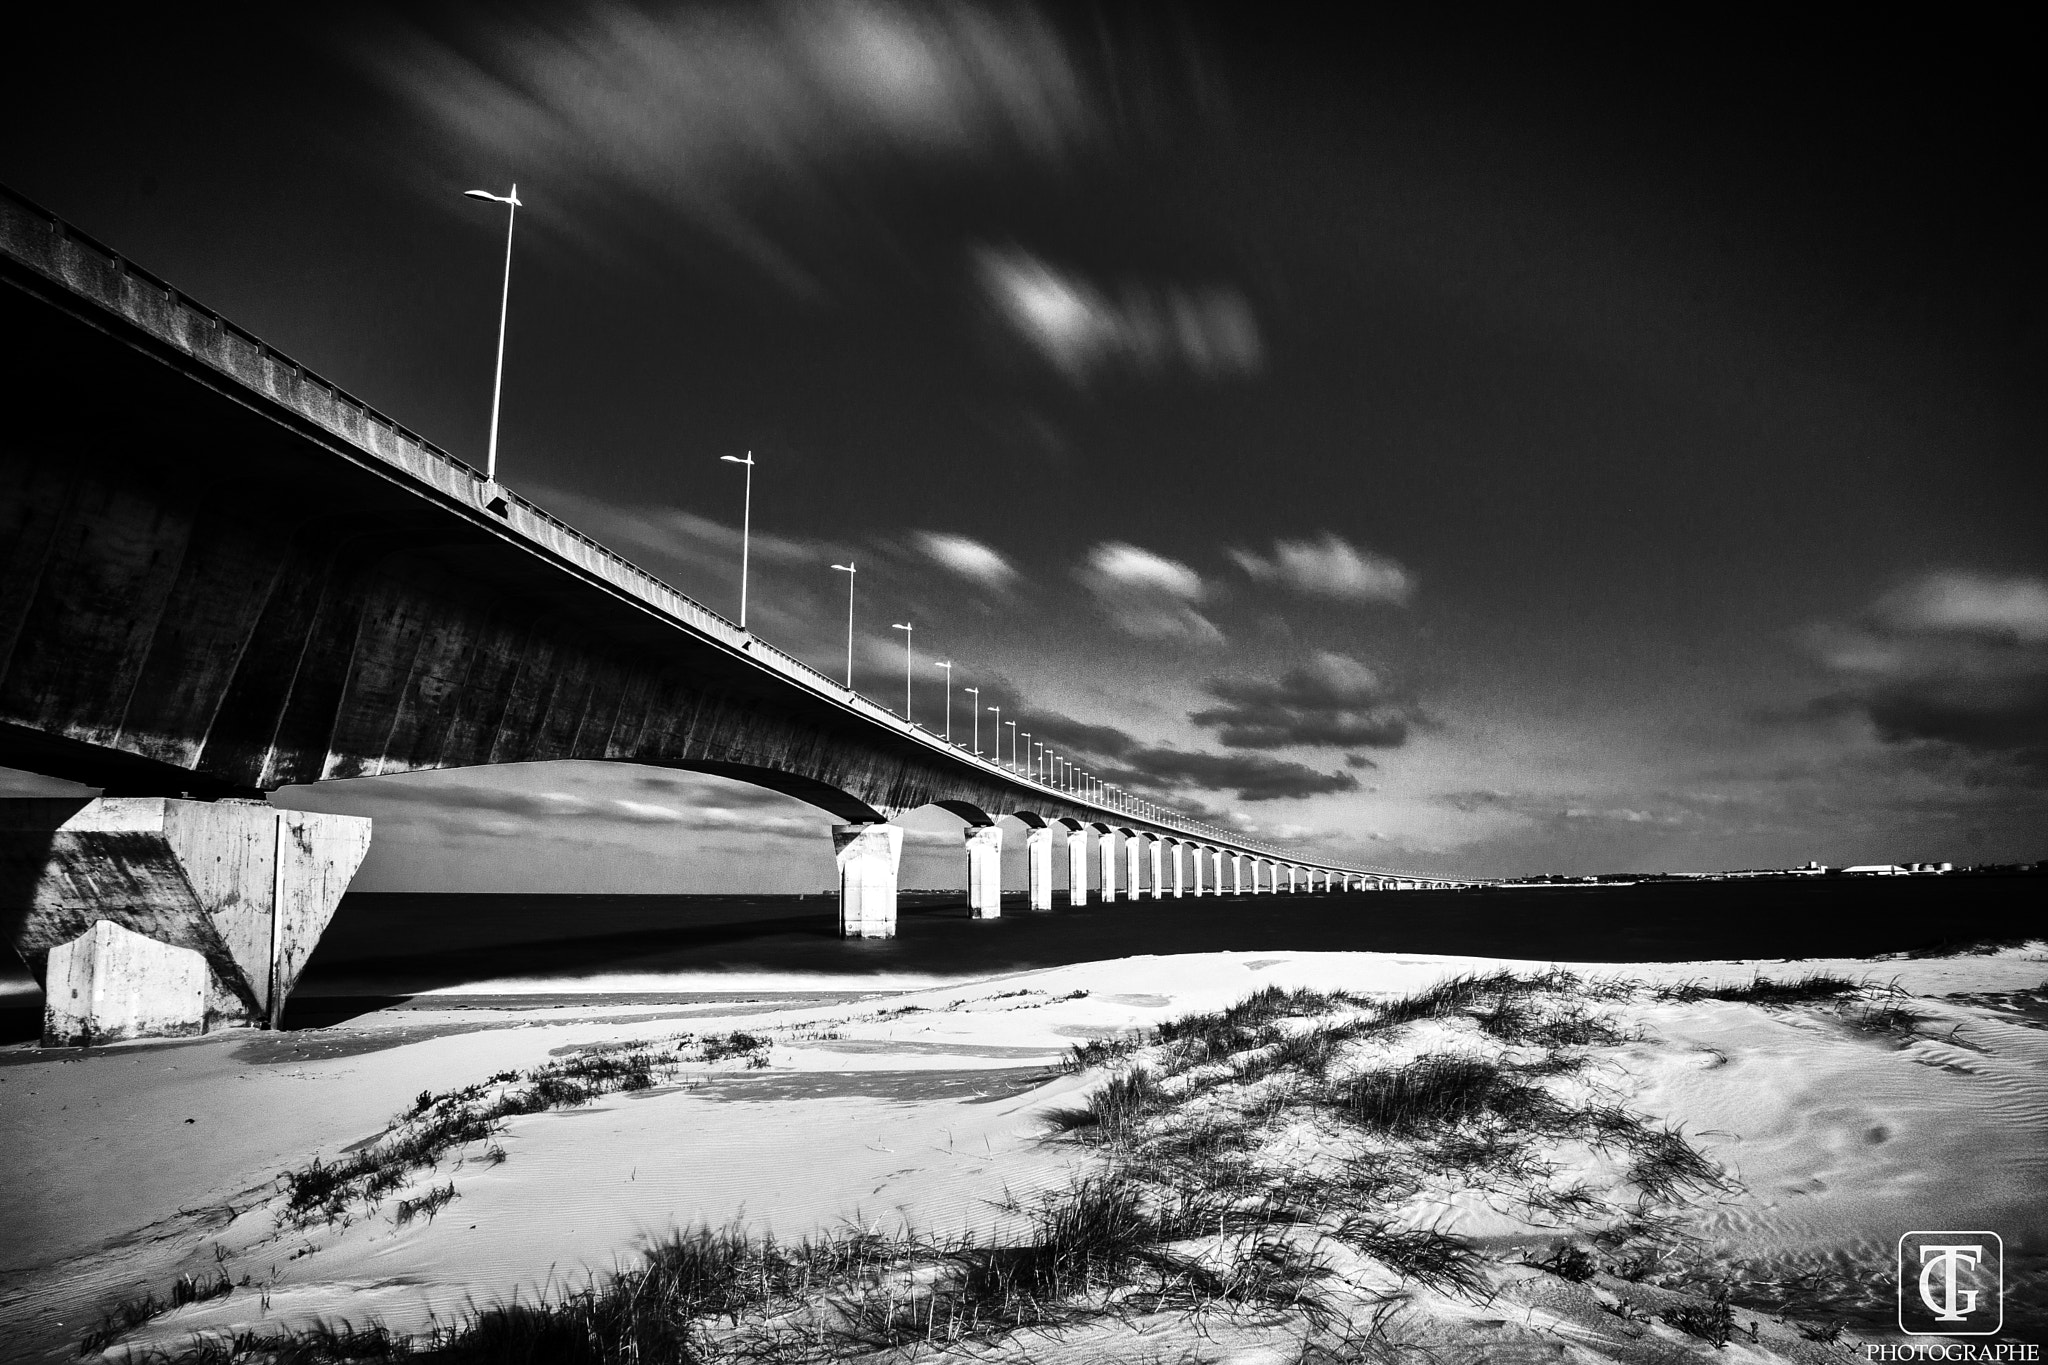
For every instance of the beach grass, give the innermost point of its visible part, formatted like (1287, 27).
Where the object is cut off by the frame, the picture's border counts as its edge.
(1237, 1157)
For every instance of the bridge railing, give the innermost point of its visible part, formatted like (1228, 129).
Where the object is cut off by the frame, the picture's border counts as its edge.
(85, 266)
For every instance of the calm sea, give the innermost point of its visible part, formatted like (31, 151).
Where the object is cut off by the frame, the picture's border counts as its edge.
(383, 947)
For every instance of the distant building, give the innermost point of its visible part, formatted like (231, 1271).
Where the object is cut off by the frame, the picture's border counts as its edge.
(1876, 870)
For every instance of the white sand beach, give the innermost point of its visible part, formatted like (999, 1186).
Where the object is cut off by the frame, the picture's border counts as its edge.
(923, 1107)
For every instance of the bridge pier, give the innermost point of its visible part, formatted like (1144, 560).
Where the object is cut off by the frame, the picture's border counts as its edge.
(868, 856)
(1236, 874)
(1178, 849)
(1106, 849)
(1216, 869)
(984, 871)
(1077, 867)
(1038, 867)
(1158, 867)
(1134, 853)
(1200, 855)
(151, 917)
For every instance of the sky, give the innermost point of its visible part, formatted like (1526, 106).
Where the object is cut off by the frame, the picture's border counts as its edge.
(1439, 445)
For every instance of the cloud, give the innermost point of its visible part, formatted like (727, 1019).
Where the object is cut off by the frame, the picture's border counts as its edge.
(1253, 777)
(1078, 329)
(2003, 610)
(969, 558)
(1117, 756)
(1331, 567)
(1147, 595)
(1952, 658)
(701, 111)
(1333, 701)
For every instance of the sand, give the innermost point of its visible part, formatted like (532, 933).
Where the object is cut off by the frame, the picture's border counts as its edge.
(924, 1109)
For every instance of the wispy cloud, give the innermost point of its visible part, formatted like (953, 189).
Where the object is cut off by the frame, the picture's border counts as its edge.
(701, 111)
(1332, 701)
(1148, 595)
(1081, 329)
(1331, 567)
(968, 558)
(1954, 659)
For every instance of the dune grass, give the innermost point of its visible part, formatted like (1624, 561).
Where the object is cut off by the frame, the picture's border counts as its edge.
(1236, 1152)
(438, 1124)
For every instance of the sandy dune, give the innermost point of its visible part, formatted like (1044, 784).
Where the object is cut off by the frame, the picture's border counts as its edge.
(925, 1109)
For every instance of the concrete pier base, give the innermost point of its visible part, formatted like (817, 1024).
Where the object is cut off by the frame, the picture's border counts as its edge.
(1158, 868)
(1134, 854)
(1199, 857)
(1178, 849)
(1106, 849)
(1236, 874)
(151, 917)
(1038, 867)
(868, 856)
(1077, 867)
(1216, 869)
(1291, 870)
(984, 871)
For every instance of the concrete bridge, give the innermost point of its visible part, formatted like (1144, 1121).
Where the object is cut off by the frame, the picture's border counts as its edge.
(220, 575)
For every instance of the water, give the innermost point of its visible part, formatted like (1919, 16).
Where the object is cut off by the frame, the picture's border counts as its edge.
(382, 948)
(398, 944)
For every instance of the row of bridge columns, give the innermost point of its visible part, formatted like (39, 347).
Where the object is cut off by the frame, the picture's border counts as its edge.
(870, 854)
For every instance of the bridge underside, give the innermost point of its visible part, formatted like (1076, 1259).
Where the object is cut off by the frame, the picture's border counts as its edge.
(207, 593)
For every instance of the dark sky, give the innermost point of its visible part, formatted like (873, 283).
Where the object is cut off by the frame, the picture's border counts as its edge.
(1549, 448)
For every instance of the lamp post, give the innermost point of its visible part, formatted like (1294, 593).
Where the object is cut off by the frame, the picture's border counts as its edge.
(1013, 745)
(906, 628)
(1029, 769)
(746, 527)
(999, 733)
(847, 569)
(975, 707)
(511, 203)
(947, 664)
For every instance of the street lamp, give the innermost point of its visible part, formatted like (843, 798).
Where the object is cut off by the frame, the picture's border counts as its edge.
(511, 203)
(975, 707)
(1029, 769)
(947, 664)
(906, 628)
(746, 527)
(1013, 745)
(847, 569)
(999, 733)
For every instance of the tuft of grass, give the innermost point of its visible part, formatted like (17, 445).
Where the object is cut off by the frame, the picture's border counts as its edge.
(1712, 1320)
(1569, 1261)
(436, 1124)
(426, 1205)
(1436, 1091)
(1100, 1052)
(1113, 1111)
(1764, 991)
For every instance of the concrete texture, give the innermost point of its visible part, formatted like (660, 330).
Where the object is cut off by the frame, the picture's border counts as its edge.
(1158, 869)
(868, 856)
(984, 871)
(1038, 867)
(1077, 867)
(1106, 864)
(245, 886)
(111, 983)
(1134, 853)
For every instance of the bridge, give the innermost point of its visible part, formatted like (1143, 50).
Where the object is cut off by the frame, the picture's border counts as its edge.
(221, 575)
